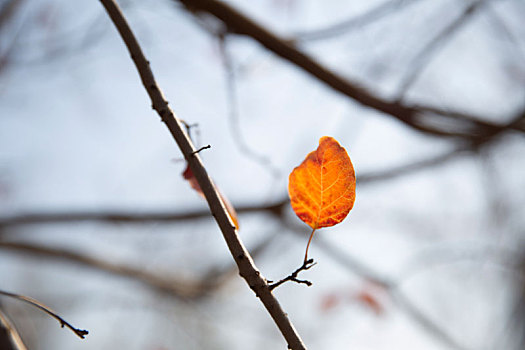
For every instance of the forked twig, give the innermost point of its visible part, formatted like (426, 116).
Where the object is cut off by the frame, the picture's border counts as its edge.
(81, 333)
(307, 264)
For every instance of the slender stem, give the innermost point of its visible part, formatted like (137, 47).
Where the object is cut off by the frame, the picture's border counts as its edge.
(79, 332)
(308, 246)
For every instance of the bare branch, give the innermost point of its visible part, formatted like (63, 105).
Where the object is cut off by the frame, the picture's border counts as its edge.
(124, 217)
(81, 333)
(176, 287)
(247, 268)
(410, 115)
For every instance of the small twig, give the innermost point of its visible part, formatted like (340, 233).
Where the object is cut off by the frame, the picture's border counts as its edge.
(307, 264)
(358, 22)
(189, 127)
(234, 114)
(201, 149)
(79, 332)
(429, 51)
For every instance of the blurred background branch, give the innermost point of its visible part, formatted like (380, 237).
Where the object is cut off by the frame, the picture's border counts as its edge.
(9, 337)
(410, 115)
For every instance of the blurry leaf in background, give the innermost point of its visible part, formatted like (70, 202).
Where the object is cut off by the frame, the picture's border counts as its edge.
(370, 296)
(188, 175)
(368, 299)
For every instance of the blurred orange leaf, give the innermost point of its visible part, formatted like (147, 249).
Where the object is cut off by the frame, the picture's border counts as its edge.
(370, 296)
(368, 299)
(322, 187)
(329, 302)
(188, 175)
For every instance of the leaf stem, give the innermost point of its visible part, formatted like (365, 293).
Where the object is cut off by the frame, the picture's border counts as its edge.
(308, 246)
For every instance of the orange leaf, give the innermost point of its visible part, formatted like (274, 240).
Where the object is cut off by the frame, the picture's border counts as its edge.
(322, 188)
(188, 175)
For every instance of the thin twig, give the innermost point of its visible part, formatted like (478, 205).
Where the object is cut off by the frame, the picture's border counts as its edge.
(175, 287)
(407, 169)
(424, 57)
(201, 149)
(81, 333)
(376, 13)
(233, 106)
(502, 30)
(406, 304)
(247, 268)
(189, 128)
(307, 264)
